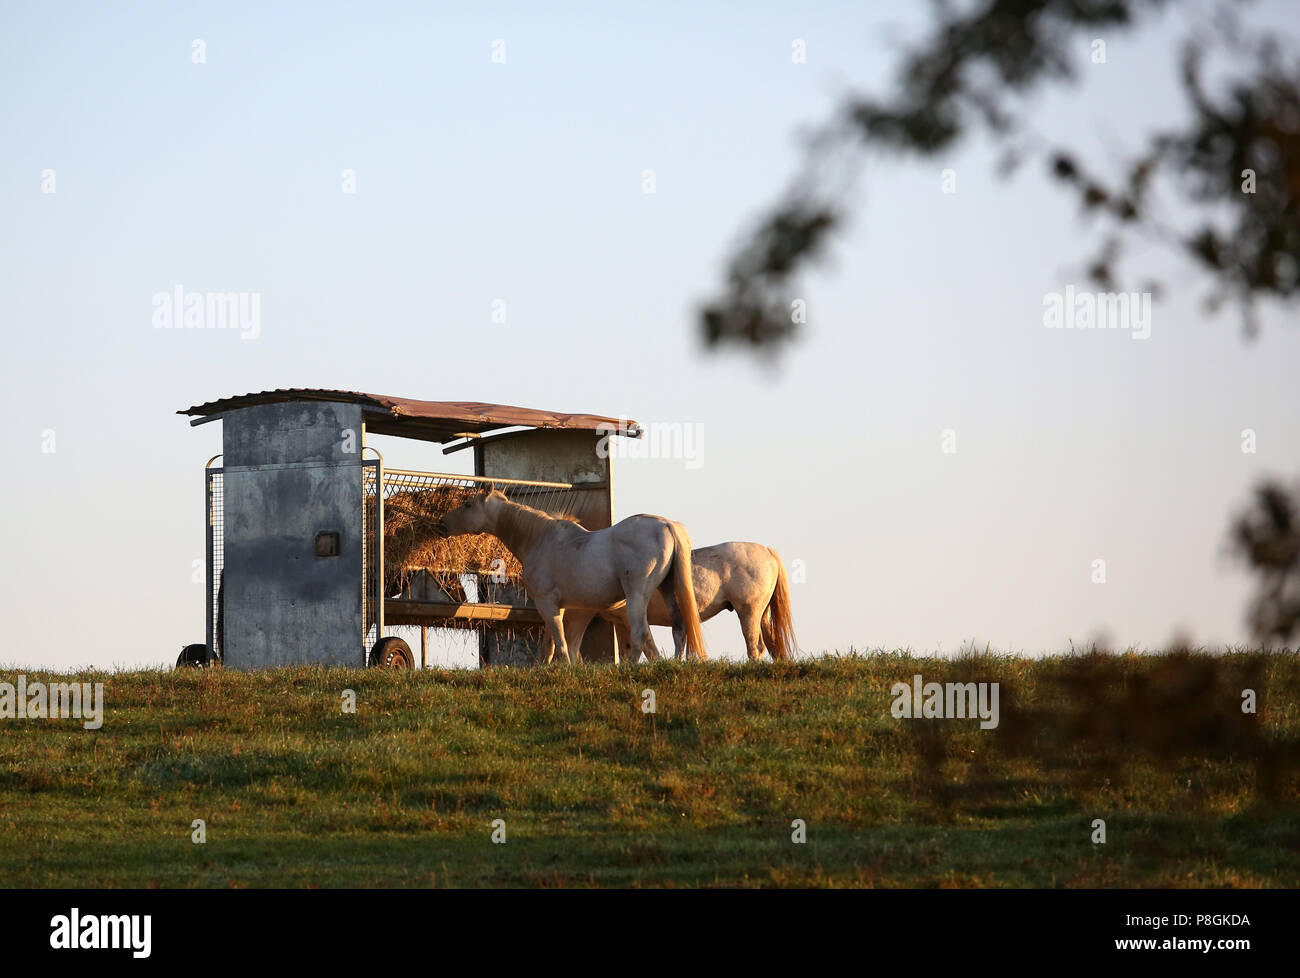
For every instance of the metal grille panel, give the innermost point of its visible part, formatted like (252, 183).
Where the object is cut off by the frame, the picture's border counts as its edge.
(556, 498)
(369, 476)
(215, 559)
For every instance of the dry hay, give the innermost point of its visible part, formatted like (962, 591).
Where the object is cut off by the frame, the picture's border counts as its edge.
(411, 545)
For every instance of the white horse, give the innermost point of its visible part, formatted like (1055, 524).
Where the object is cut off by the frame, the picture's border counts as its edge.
(747, 578)
(566, 566)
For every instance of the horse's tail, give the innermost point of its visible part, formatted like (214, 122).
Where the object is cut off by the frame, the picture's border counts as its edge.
(778, 629)
(684, 591)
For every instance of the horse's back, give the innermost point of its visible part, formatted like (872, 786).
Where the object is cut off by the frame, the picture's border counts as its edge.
(643, 534)
(738, 573)
(738, 558)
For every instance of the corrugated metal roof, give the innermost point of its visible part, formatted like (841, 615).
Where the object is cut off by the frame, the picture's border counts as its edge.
(428, 420)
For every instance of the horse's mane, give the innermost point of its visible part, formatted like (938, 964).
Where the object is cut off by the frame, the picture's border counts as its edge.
(520, 526)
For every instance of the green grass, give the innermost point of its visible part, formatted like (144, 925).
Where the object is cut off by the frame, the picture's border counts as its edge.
(595, 792)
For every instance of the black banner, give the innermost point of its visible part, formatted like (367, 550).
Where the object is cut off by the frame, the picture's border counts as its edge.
(944, 929)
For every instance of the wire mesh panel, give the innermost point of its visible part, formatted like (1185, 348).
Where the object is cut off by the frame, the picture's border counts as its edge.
(215, 559)
(369, 477)
(476, 568)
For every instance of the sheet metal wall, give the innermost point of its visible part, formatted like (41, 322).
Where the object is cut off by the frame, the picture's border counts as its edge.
(292, 470)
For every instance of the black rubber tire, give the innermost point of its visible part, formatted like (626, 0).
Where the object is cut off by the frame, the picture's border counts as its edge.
(392, 653)
(192, 657)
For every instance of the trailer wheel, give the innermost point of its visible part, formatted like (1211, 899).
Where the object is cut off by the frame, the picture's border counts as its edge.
(192, 656)
(392, 653)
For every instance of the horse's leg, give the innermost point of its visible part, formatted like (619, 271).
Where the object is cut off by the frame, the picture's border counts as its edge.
(553, 619)
(562, 639)
(575, 627)
(628, 654)
(751, 627)
(675, 616)
(638, 604)
(769, 633)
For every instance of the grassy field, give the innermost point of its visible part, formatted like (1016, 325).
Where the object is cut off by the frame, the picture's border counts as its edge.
(594, 791)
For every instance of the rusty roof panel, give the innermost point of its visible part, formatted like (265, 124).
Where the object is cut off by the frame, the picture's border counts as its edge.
(429, 420)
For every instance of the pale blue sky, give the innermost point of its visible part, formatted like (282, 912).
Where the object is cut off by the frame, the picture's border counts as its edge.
(522, 181)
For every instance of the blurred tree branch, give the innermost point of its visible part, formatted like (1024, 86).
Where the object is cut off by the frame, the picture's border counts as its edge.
(1234, 165)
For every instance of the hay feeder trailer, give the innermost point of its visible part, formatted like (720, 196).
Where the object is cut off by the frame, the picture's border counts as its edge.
(315, 549)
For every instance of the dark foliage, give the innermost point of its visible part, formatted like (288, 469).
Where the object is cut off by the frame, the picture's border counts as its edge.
(1098, 726)
(1267, 537)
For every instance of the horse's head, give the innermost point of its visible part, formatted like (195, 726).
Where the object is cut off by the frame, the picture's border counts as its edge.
(476, 514)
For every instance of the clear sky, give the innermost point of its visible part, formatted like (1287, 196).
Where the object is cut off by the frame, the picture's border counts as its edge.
(522, 181)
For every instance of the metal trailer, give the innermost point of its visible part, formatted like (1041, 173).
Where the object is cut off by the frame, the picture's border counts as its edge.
(296, 517)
